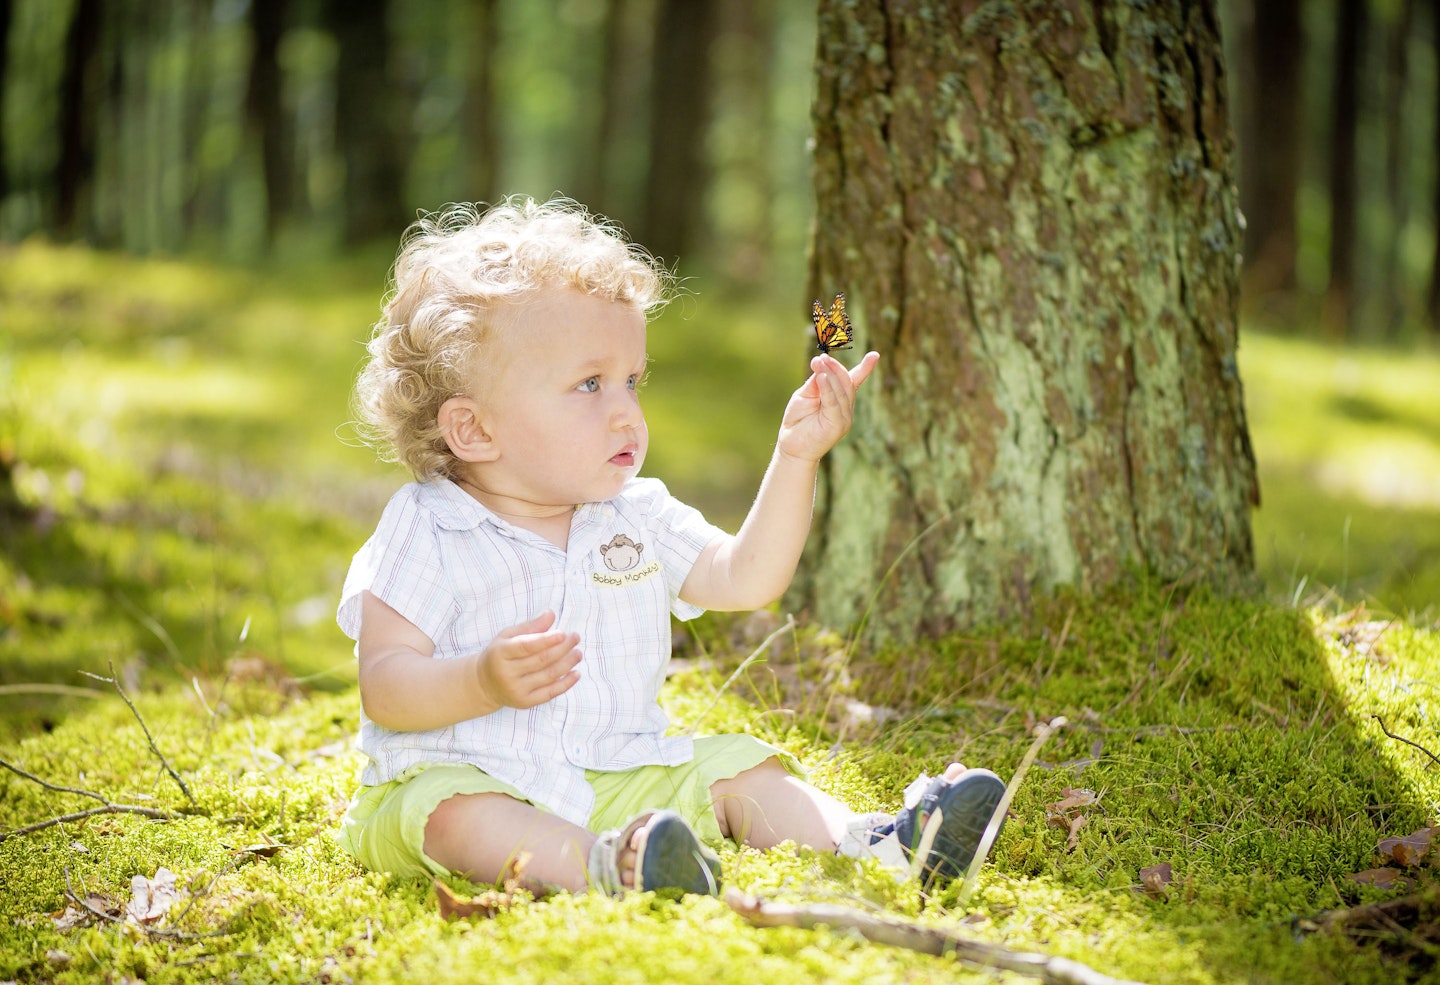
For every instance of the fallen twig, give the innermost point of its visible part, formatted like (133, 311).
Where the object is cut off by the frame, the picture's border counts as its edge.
(107, 806)
(114, 681)
(1401, 738)
(997, 817)
(926, 940)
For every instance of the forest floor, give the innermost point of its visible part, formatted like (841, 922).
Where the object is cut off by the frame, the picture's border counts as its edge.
(1241, 790)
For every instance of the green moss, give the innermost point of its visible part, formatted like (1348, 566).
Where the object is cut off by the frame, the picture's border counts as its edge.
(1236, 740)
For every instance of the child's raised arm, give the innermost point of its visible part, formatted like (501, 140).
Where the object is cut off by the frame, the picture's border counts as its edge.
(404, 688)
(755, 566)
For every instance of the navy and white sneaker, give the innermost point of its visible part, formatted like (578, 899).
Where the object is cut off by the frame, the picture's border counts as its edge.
(965, 805)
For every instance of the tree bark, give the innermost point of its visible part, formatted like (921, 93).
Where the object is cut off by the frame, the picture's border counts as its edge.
(1270, 121)
(1397, 187)
(1345, 119)
(367, 122)
(7, 17)
(1034, 212)
(482, 129)
(264, 112)
(79, 100)
(678, 174)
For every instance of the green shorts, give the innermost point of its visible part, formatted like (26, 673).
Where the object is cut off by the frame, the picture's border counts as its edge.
(385, 825)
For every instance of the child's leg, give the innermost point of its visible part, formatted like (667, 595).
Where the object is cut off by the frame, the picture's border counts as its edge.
(480, 836)
(766, 805)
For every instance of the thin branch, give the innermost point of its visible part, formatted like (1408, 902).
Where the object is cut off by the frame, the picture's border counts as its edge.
(1401, 738)
(114, 681)
(109, 807)
(53, 786)
(997, 817)
(914, 937)
(153, 813)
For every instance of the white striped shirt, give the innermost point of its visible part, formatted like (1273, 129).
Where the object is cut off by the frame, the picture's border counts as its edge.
(461, 575)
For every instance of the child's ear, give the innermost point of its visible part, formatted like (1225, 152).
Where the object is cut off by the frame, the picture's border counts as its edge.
(464, 431)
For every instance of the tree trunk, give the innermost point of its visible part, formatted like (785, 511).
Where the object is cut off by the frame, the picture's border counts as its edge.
(1270, 118)
(264, 112)
(678, 175)
(1345, 109)
(1432, 301)
(79, 98)
(367, 122)
(482, 130)
(1033, 210)
(7, 17)
(1397, 188)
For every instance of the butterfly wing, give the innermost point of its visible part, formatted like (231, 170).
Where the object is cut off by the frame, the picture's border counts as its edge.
(832, 328)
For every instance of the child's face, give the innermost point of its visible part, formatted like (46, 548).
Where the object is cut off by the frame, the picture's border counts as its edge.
(562, 405)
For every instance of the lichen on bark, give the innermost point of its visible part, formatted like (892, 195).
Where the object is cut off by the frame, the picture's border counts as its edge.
(1033, 210)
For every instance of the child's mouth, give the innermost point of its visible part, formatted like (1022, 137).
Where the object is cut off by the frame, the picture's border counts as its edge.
(625, 460)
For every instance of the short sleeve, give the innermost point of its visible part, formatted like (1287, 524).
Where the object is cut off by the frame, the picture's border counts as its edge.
(682, 533)
(401, 565)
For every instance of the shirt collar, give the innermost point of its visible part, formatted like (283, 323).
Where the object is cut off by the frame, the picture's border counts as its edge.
(455, 509)
(452, 507)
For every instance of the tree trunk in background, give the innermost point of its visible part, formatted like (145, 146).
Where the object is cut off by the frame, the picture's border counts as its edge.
(1345, 110)
(1432, 301)
(368, 127)
(79, 99)
(678, 173)
(7, 16)
(264, 112)
(482, 131)
(1036, 218)
(593, 184)
(1397, 193)
(1270, 147)
(744, 216)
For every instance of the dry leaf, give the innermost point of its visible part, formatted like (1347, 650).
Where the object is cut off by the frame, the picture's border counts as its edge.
(152, 897)
(1407, 851)
(487, 904)
(1156, 878)
(1072, 798)
(1383, 878)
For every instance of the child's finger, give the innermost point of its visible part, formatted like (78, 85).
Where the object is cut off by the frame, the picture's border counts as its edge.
(867, 365)
(529, 627)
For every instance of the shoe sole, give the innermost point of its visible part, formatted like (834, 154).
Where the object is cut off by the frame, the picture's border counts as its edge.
(669, 856)
(966, 806)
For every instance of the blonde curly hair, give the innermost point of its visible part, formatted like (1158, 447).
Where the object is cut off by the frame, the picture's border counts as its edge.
(458, 275)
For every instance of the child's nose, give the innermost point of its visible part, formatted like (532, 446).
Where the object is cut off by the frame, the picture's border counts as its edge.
(627, 413)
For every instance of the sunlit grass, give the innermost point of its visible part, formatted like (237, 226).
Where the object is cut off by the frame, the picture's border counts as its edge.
(189, 510)
(1348, 444)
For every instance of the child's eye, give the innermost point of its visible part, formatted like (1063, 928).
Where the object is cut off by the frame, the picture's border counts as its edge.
(592, 385)
(637, 380)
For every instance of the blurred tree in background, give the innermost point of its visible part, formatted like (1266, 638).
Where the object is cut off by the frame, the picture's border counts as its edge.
(237, 129)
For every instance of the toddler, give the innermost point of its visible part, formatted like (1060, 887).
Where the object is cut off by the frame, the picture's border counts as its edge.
(511, 612)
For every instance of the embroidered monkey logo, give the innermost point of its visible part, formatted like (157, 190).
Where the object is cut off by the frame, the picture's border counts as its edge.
(621, 554)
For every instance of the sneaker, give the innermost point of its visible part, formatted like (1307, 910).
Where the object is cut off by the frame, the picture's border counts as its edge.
(965, 804)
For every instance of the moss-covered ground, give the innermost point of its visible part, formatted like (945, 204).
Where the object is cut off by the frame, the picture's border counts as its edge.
(184, 508)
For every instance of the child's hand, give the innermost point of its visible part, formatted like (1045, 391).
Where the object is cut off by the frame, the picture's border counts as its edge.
(526, 665)
(821, 411)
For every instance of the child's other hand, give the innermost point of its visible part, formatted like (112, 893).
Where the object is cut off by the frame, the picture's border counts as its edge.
(821, 411)
(527, 665)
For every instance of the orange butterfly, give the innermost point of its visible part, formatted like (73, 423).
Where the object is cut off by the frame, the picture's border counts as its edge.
(832, 328)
